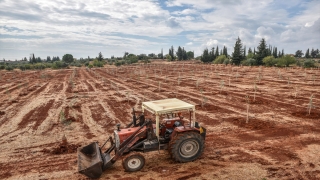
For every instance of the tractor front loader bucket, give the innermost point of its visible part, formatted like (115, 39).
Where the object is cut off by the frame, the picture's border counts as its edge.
(90, 160)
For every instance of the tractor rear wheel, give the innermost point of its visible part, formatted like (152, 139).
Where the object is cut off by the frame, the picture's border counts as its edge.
(133, 162)
(186, 147)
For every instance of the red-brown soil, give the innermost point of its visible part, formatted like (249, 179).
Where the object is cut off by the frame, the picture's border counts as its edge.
(280, 140)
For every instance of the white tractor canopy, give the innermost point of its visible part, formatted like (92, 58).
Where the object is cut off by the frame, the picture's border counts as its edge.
(165, 106)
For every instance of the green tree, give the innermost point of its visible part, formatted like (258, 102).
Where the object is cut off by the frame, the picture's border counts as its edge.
(249, 62)
(275, 52)
(307, 54)
(131, 58)
(190, 55)
(141, 56)
(250, 56)
(33, 59)
(184, 54)
(286, 60)
(168, 57)
(97, 63)
(225, 51)
(162, 53)
(315, 53)
(145, 59)
(125, 55)
(67, 58)
(100, 57)
(212, 54)
(308, 63)
(270, 50)
(237, 55)
(298, 54)
(262, 51)
(38, 59)
(250, 51)
(179, 54)
(217, 52)
(269, 61)
(171, 53)
(206, 57)
(220, 59)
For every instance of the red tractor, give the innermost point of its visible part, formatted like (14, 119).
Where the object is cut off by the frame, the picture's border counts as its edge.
(183, 139)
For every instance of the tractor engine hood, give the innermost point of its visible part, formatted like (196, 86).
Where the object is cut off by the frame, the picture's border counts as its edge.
(123, 134)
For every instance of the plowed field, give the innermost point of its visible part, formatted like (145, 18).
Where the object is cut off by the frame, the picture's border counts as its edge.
(279, 140)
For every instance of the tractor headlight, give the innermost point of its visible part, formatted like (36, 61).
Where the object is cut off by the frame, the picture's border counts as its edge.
(116, 139)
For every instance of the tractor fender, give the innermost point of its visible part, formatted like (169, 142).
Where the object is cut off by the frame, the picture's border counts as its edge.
(182, 129)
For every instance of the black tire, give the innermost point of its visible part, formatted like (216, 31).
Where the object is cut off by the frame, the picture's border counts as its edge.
(133, 162)
(186, 147)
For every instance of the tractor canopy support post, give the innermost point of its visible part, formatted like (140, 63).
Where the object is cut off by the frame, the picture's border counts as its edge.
(193, 118)
(190, 117)
(157, 125)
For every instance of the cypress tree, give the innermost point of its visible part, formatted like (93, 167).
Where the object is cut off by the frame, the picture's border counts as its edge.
(270, 50)
(249, 50)
(262, 51)
(179, 53)
(217, 52)
(184, 54)
(275, 52)
(237, 55)
(225, 51)
(171, 53)
(162, 53)
(33, 59)
(100, 56)
(307, 54)
(206, 57)
(211, 54)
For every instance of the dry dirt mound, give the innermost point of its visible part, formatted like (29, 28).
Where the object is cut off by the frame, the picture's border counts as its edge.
(252, 124)
(63, 148)
(305, 114)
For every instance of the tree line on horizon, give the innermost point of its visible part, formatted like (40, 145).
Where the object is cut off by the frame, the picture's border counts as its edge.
(263, 55)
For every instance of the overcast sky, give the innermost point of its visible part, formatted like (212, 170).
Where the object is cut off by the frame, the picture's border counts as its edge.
(84, 28)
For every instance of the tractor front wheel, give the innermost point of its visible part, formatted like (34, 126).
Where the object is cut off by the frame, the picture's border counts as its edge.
(186, 147)
(133, 162)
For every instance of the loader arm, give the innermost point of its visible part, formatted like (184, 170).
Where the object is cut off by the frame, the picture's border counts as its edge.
(92, 162)
(126, 145)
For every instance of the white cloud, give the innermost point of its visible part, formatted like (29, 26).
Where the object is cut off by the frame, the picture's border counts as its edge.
(212, 42)
(113, 26)
(185, 12)
(309, 24)
(264, 32)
